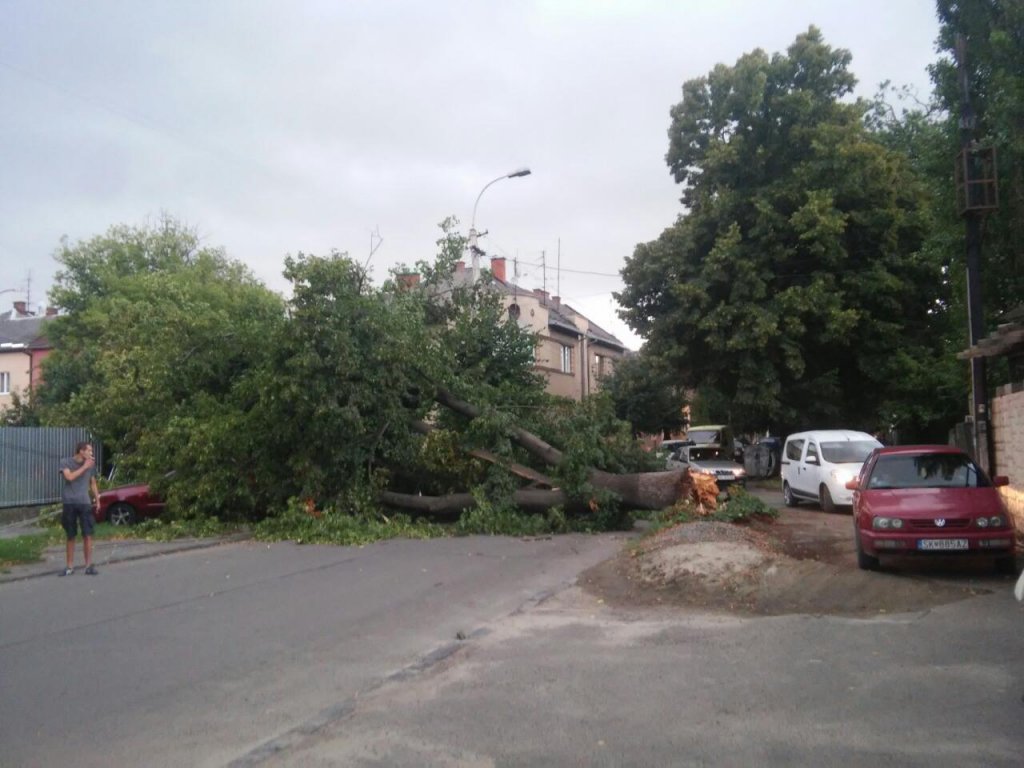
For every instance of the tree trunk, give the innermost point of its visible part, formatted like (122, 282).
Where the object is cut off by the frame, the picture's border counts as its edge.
(644, 490)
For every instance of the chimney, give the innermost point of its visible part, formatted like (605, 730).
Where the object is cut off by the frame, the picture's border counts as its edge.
(542, 295)
(460, 267)
(51, 311)
(557, 301)
(407, 280)
(19, 307)
(498, 267)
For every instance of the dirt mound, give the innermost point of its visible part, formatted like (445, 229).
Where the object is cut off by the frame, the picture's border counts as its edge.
(767, 569)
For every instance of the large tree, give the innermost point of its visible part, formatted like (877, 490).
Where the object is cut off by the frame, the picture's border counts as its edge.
(346, 395)
(792, 287)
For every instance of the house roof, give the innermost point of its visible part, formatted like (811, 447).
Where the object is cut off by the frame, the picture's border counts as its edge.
(561, 315)
(22, 333)
(1007, 339)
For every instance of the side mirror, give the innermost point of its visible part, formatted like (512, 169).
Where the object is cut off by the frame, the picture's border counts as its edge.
(811, 460)
(1000, 480)
(853, 485)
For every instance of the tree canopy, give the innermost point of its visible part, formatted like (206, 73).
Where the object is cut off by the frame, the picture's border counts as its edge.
(792, 288)
(241, 404)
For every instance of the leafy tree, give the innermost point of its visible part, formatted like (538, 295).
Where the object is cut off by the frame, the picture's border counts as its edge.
(646, 393)
(993, 34)
(159, 336)
(793, 288)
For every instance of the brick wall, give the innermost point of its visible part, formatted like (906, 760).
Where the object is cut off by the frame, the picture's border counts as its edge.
(1008, 441)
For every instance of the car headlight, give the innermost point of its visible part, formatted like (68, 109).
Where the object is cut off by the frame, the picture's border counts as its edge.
(886, 523)
(740, 472)
(996, 521)
(843, 476)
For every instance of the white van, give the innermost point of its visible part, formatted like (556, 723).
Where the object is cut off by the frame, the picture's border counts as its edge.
(816, 466)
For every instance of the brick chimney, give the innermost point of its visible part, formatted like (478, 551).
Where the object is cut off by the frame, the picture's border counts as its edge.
(498, 267)
(557, 301)
(407, 280)
(19, 307)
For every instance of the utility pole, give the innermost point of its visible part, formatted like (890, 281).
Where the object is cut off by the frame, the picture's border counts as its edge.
(976, 194)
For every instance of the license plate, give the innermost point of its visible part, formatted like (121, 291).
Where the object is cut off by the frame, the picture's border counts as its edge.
(942, 544)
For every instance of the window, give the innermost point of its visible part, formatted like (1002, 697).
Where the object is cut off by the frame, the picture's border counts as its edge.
(793, 449)
(5, 383)
(566, 359)
(812, 452)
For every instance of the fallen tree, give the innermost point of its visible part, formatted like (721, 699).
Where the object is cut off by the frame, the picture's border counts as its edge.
(640, 490)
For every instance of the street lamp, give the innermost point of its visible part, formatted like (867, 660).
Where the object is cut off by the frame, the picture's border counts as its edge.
(473, 234)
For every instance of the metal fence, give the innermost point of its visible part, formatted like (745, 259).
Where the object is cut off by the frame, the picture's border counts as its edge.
(30, 462)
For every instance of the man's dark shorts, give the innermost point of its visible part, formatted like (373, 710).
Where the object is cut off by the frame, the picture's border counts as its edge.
(75, 515)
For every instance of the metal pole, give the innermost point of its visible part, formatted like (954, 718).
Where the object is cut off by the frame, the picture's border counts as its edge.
(474, 251)
(975, 318)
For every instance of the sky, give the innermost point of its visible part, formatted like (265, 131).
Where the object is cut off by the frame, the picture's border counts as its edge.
(274, 128)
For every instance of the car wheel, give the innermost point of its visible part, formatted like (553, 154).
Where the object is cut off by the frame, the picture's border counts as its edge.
(825, 498)
(787, 496)
(1006, 566)
(865, 561)
(121, 514)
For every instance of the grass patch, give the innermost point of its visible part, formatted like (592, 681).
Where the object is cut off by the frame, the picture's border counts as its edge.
(24, 549)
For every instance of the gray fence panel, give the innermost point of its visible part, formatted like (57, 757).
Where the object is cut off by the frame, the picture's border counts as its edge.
(30, 462)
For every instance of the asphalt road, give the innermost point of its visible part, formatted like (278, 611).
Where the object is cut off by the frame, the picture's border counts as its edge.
(205, 657)
(251, 655)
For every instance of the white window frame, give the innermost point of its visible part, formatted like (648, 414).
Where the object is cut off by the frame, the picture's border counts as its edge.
(567, 355)
(5, 382)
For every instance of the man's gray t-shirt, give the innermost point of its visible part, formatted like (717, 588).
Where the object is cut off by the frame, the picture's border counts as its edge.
(75, 491)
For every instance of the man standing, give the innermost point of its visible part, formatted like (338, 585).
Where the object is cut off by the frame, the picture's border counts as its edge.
(79, 473)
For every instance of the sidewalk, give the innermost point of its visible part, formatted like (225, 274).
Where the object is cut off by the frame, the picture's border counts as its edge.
(108, 552)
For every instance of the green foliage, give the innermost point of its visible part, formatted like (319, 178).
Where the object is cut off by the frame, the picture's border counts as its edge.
(23, 549)
(647, 394)
(742, 506)
(337, 525)
(794, 289)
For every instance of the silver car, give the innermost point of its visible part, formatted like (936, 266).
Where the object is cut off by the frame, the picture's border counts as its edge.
(708, 460)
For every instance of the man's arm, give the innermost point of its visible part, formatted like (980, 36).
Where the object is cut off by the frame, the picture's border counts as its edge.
(95, 491)
(70, 474)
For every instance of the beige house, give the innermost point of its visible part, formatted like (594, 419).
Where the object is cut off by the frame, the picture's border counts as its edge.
(573, 353)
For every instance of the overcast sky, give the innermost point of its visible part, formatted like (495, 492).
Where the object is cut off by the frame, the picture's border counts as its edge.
(279, 127)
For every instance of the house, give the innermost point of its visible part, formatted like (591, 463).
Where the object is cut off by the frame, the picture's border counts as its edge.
(573, 353)
(23, 347)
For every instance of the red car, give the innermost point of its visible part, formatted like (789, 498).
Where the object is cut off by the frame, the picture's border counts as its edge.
(929, 499)
(128, 504)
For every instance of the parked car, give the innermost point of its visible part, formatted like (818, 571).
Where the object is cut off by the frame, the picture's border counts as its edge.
(668, 447)
(718, 435)
(816, 465)
(127, 504)
(929, 499)
(708, 460)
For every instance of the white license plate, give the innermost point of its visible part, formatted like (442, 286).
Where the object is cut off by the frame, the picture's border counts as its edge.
(942, 543)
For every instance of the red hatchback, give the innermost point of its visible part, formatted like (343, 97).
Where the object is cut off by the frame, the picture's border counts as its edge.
(929, 499)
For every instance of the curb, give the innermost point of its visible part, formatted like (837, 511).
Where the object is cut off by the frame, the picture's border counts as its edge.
(160, 549)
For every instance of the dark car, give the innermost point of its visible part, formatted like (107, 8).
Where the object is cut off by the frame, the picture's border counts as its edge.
(929, 499)
(127, 504)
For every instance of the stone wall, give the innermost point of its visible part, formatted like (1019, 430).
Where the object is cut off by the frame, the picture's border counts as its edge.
(1008, 442)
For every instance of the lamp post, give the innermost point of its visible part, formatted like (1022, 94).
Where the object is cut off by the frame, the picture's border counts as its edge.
(473, 234)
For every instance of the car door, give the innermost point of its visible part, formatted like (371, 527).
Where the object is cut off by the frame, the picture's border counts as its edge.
(809, 470)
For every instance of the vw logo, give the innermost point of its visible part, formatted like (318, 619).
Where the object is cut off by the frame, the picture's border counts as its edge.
(940, 522)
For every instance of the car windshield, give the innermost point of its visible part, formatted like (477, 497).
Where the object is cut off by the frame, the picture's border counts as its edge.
(704, 435)
(926, 470)
(706, 454)
(847, 451)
